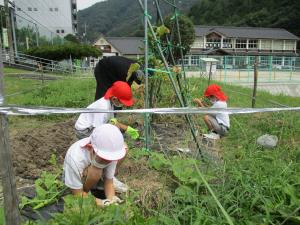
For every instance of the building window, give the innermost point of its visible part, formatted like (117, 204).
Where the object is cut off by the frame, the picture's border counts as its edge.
(56, 9)
(253, 44)
(35, 9)
(227, 43)
(51, 9)
(288, 61)
(29, 9)
(241, 43)
(57, 31)
(264, 60)
(240, 61)
(195, 60)
(277, 60)
(213, 43)
(251, 60)
(62, 31)
(185, 61)
(19, 9)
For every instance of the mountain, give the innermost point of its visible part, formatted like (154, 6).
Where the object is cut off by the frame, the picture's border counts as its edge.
(121, 17)
(256, 13)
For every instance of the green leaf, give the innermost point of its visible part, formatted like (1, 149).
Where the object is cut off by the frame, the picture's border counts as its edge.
(158, 161)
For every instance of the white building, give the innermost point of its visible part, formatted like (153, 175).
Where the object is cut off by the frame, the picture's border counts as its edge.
(55, 17)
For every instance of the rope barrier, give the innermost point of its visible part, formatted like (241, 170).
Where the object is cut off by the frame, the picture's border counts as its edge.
(25, 111)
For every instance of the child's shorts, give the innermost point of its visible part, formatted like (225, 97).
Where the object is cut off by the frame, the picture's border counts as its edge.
(221, 129)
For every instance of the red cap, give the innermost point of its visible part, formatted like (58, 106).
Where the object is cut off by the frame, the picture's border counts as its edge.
(122, 91)
(215, 90)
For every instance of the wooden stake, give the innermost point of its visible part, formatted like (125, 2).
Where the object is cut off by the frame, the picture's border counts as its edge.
(11, 210)
(12, 214)
(255, 82)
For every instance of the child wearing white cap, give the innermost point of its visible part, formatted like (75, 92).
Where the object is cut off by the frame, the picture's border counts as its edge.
(94, 158)
(118, 95)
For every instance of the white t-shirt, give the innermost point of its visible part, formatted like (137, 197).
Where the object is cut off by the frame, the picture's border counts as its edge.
(222, 118)
(91, 120)
(77, 159)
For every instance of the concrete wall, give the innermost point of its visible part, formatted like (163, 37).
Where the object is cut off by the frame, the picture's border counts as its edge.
(55, 15)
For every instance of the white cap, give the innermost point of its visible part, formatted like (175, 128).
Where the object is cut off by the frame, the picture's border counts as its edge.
(108, 142)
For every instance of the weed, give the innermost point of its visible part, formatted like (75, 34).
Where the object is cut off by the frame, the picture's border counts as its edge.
(49, 188)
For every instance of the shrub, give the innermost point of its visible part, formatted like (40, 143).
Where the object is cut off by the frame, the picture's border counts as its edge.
(61, 52)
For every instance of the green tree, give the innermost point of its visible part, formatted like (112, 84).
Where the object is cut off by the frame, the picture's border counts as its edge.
(71, 38)
(187, 34)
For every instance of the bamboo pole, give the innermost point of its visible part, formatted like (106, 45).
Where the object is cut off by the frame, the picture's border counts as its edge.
(147, 117)
(176, 89)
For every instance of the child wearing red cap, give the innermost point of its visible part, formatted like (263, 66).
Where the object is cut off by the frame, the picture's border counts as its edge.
(219, 123)
(118, 95)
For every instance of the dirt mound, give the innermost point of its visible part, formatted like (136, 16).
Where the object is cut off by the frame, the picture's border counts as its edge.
(32, 149)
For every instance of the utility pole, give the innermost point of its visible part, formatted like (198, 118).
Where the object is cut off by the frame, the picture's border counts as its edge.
(85, 33)
(13, 29)
(37, 34)
(51, 38)
(8, 27)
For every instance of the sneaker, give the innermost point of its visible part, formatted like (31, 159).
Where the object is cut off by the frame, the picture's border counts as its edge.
(119, 186)
(212, 136)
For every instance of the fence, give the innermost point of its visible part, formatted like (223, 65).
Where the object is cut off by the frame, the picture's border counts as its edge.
(240, 68)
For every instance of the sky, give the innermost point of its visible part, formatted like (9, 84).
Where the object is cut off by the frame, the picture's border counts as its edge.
(82, 4)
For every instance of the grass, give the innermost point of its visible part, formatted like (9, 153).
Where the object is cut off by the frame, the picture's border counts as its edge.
(253, 186)
(2, 221)
(8, 70)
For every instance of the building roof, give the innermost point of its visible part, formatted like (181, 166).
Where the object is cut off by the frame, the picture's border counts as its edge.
(246, 32)
(127, 45)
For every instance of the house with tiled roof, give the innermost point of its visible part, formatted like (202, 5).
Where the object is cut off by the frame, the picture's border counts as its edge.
(124, 46)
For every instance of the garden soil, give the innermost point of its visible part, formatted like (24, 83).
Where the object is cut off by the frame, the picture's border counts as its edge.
(32, 148)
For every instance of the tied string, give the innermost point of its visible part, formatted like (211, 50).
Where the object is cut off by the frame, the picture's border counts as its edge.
(25, 111)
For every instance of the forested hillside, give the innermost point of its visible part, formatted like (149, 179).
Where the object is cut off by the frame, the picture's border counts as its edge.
(257, 13)
(120, 17)
(124, 17)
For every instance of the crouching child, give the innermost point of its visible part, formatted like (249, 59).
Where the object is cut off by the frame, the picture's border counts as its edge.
(93, 159)
(218, 124)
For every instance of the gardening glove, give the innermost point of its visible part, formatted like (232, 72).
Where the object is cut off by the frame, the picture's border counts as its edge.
(133, 133)
(113, 121)
(103, 203)
(116, 200)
